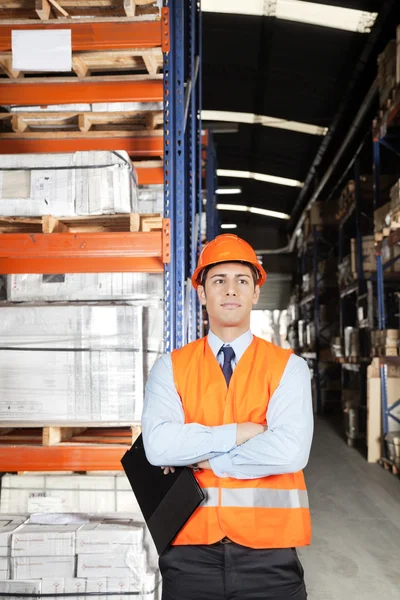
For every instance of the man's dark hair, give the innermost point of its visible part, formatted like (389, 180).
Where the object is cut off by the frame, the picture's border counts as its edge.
(253, 269)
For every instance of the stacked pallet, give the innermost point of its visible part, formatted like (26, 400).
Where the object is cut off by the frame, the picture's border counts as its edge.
(385, 342)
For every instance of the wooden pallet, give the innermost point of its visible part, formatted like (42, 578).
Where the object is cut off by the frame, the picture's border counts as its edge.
(56, 9)
(86, 64)
(92, 224)
(86, 122)
(389, 465)
(54, 435)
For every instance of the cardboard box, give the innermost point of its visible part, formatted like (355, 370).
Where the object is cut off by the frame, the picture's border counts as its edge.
(151, 199)
(74, 585)
(63, 585)
(118, 588)
(117, 565)
(37, 567)
(44, 540)
(66, 185)
(387, 72)
(68, 493)
(374, 404)
(368, 254)
(4, 567)
(103, 538)
(382, 217)
(53, 378)
(97, 584)
(53, 585)
(389, 252)
(20, 587)
(8, 526)
(84, 286)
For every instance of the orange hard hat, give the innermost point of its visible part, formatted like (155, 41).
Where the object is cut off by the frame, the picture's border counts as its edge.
(227, 248)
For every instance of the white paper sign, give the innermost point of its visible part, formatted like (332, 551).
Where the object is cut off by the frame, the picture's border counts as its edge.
(42, 50)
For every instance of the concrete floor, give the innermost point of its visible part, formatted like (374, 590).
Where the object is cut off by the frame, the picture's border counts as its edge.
(355, 551)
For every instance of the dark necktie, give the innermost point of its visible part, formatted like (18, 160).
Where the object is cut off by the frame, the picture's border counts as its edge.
(229, 354)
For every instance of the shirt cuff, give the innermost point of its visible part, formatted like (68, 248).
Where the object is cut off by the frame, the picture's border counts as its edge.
(224, 437)
(221, 465)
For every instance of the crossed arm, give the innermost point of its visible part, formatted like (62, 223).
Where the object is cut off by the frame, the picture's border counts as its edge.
(241, 451)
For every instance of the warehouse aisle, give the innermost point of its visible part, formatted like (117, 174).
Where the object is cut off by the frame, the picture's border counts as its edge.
(356, 524)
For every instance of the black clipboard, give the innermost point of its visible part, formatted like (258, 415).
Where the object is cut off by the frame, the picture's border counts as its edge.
(166, 501)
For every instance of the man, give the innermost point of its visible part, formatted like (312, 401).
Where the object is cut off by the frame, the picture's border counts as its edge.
(238, 410)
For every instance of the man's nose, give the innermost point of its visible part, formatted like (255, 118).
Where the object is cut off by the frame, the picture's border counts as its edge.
(231, 288)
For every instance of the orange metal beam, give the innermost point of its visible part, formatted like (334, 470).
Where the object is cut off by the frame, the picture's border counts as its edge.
(149, 175)
(101, 35)
(137, 147)
(75, 91)
(83, 253)
(66, 457)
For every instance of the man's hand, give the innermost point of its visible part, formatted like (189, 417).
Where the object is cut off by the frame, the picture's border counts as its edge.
(246, 431)
(168, 470)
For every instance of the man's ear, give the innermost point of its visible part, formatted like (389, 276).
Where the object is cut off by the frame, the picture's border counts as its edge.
(201, 292)
(256, 295)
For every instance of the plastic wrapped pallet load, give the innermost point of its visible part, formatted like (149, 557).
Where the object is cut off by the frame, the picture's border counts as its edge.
(66, 493)
(63, 185)
(72, 364)
(50, 552)
(70, 287)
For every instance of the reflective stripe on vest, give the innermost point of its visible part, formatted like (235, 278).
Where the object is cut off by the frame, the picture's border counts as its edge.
(211, 497)
(256, 497)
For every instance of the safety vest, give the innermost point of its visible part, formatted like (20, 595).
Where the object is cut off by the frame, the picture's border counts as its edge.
(268, 512)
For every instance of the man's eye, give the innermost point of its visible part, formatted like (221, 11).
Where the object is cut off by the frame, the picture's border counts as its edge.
(243, 281)
(219, 281)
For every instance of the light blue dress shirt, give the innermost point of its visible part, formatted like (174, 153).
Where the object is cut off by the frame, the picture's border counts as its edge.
(283, 448)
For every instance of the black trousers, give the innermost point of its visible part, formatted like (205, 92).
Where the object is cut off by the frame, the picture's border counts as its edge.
(231, 572)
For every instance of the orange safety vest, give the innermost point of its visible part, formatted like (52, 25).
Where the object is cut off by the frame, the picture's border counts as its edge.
(268, 512)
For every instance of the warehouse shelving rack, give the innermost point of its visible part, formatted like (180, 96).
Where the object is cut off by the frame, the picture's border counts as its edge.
(354, 371)
(174, 250)
(319, 248)
(386, 135)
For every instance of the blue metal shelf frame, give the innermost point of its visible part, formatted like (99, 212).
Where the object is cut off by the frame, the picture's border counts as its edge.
(380, 283)
(193, 141)
(182, 131)
(169, 183)
(213, 222)
(199, 152)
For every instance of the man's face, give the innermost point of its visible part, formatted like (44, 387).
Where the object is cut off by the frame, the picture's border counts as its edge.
(229, 294)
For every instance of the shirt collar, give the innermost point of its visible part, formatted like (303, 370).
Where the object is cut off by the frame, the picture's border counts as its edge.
(239, 345)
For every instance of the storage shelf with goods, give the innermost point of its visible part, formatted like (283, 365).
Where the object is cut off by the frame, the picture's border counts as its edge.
(69, 246)
(384, 377)
(318, 298)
